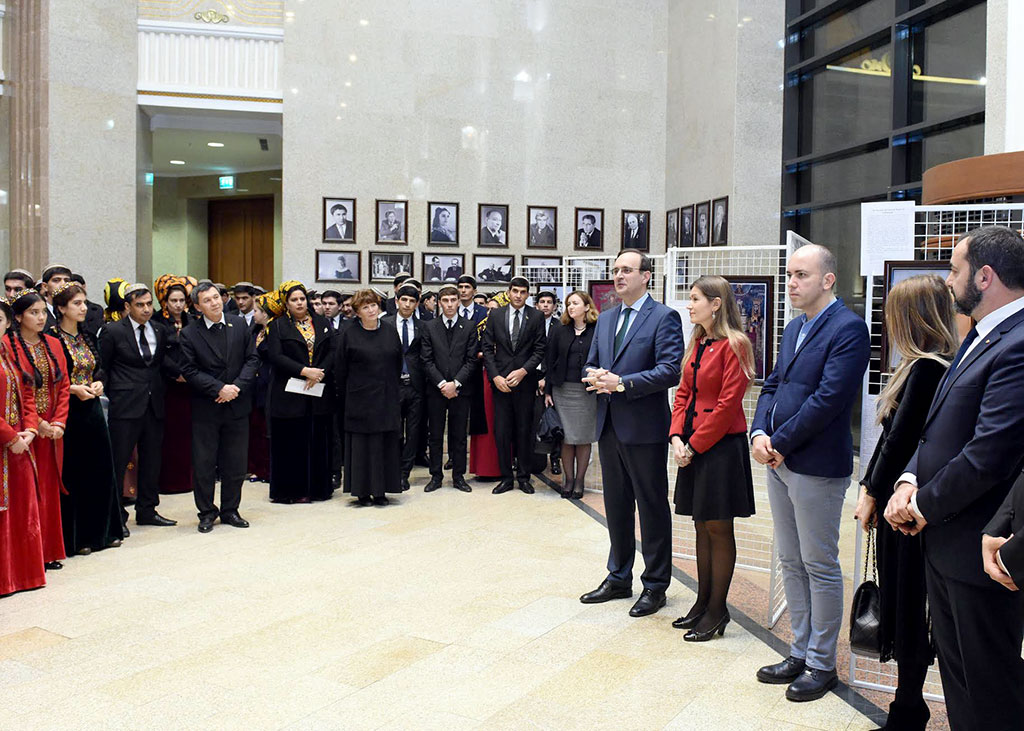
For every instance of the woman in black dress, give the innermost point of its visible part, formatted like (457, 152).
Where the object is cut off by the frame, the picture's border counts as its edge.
(299, 350)
(268, 306)
(368, 371)
(176, 460)
(919, 321)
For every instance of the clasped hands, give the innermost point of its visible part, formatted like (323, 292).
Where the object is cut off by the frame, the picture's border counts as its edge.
(228, 392)
(49, 431)
(899, 513)
(764, 453)
(601, 380)
(22, 442)
(505, 384)
(682, 455)
(89, 392)
(313, 376)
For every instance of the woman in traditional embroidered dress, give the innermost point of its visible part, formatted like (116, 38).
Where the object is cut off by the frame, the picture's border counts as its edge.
(176, 465)
(21, 544)
(91, 506)
(40, 359)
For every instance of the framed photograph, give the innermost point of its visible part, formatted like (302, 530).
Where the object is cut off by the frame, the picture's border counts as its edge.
(391, 222)
(636, 233)
(487, 268)
(492, 225)
(385, 266)
(720, 221)
(686, 226)
(544, 268)
(443, 267)
(602, 291)
(442, 224)
(754, 297)
(338, 266)
(677, 289)
(589, 224)
(896, 272)
(702, 224)
(671, 228)
(542, 225)
(339, 220)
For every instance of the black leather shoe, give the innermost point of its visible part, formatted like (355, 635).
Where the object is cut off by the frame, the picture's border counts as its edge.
(53, 565)
(381, 500)
(154, 519)
(365, 500)
(405, 484)
(556, 465)
(526, 486)
(812, 685)
(503, 486)
(125, 532)
(577, 490)
(460, 484)
(649, 602)
(234, 519)
(434, 484)
(205, 525)
(606, 592)
(689, 621)
(782, 672)
(448, 465)
(695, 635)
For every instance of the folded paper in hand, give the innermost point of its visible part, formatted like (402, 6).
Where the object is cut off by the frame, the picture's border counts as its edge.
(298, 385)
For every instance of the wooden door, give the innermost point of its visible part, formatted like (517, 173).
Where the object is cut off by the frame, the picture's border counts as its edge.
(241, 240)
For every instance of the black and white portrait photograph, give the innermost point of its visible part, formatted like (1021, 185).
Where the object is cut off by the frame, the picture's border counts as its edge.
(386, 266)
(686, 226)
(493, 224)
(543, 227)
(340, 219)
(635, 230)
(702, 224)
(720, 221)
(671, 228)
(337, 266)
(443, 268)
(443, 224)
(488, 268)
(391, 220)
(589, 222)
(542, 268)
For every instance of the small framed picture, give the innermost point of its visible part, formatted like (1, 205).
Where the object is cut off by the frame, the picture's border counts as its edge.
(589, 223)
(391, 220)
(635, 231)
(543, 268)
(443, 267)
(720, 221)
(339, 220)
(896, 272)
(442, 224)
(671, 228)
(385, 266)
(754, 297)
(702, 221)
(338, 266)
(487, 268)
(542, 225)
(602, 291)
(493, 225)
(686, 226)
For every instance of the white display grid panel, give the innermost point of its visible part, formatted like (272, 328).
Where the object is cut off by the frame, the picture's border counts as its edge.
(936, 231)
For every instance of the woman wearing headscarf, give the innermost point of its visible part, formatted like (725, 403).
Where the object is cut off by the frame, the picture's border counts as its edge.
(171, 292)
(300, 352)
(113, 296)
(268, 307)
(483, 451)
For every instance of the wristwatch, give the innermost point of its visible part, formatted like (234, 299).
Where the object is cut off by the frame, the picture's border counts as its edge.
(621, 387)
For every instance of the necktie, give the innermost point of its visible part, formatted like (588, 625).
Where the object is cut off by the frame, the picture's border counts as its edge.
(621, 334)
(971, 337)
(147, 354)
(450, 324)
(405, 345)
(516, 326)
(465, 313)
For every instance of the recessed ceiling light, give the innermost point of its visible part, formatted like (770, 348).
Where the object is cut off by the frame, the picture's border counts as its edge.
(215, 144)
(364, 22)
(348, 83)
(352, 57)
(177, 162)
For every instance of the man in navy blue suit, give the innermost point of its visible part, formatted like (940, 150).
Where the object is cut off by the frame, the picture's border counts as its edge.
(801, 432)
(634, 359)
(966, 462)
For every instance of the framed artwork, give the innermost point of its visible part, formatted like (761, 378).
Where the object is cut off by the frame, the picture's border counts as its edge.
(542, 227)
(391, 222)
(487, 268)
(720, 221)
(701, 224)
(492, 225)
(686, 226)
(896, 272)
(443, 224)
(754, 297)
(443, 268)
(338, 266)
(671, 228)
(678, 288)
(545, 268)
(339, 221)
(589, 223)
(385, 266)
(602, 291)
(636, 232)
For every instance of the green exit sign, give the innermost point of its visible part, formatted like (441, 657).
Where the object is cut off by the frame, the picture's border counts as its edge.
(227, 182)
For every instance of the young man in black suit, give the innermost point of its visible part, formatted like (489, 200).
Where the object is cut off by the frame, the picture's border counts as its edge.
(54, 275)
(513, 347)
(449, 359)
(219, 362)
(390, 306)
(411, 333)
(134, 351)
(546, 306)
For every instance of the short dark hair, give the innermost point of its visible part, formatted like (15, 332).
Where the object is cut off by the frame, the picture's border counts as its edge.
(593, 219)
(447, 290)
(342, 299)
(428, 296)
(27, 279)
(645, 261)
(545, 293)
(338, 207)
(999, 247)
(78, 278)
(203, 286)
(331, 293)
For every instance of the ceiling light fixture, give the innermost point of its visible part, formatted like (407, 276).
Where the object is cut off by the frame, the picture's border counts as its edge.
(215, 144)
(177, 162)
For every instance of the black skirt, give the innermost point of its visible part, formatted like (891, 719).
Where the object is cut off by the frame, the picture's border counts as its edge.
(373, 463)
(717, 485)
(300, 459)
(904, 618)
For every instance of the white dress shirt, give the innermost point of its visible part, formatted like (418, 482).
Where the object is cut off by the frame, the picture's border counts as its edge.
(210, 323)
(636, 306)
(150, 336)
(512, 318)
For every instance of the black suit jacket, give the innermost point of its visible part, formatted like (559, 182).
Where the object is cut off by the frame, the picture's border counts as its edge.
(500, 358)
(390, 306)
(208, 369)
(1009, 520)
(449, 361)
(93, 318)
(557, 352)
(413, 361)
(129, 384)
(287, 355)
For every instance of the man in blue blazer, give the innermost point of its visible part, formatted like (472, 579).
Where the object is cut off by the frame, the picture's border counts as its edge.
(634, 359)
(801, 432)
(966, 462)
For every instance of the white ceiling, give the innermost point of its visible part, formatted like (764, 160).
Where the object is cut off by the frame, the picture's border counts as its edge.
(241, 152)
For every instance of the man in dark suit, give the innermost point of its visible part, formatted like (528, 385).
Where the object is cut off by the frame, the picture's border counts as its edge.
(410, 332)
(546, 307)
(93, 312)
(448, 353)
(54, 275)
(635, 234)
(432, 272)
(454, 271)
(634, 359)
(341, 229)
(467, 307)
(513, 347)
(244, 296)
(390, 306)
(493, 231)
(801, 433)
(967, 459)
(542, 233)
(219, 362)
(135, 354)
(589, 236)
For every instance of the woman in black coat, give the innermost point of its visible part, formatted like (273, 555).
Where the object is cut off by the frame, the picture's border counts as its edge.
(299, 348)
(920, 324)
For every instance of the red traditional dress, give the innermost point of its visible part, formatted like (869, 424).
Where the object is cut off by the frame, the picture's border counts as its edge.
(21, 543)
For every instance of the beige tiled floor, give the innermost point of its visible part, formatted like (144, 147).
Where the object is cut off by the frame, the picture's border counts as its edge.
(443, 611)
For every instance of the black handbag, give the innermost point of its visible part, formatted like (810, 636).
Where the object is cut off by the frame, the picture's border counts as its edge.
(866, 613)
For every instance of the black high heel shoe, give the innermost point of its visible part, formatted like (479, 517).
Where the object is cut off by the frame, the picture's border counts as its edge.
(577, 490)
(688, 622)
(694, 636)
(566, 491)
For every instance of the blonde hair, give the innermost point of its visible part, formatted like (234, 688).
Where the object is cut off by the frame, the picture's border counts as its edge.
(726, 325)
(920, 324)
(590, 318)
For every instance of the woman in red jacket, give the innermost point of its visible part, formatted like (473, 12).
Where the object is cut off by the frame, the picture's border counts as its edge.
(709, 443)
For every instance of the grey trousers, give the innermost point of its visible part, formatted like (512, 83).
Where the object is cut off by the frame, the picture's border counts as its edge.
(806, 511)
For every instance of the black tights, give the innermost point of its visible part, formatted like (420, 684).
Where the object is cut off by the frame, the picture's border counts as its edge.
(581, 454)
(716, 559)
